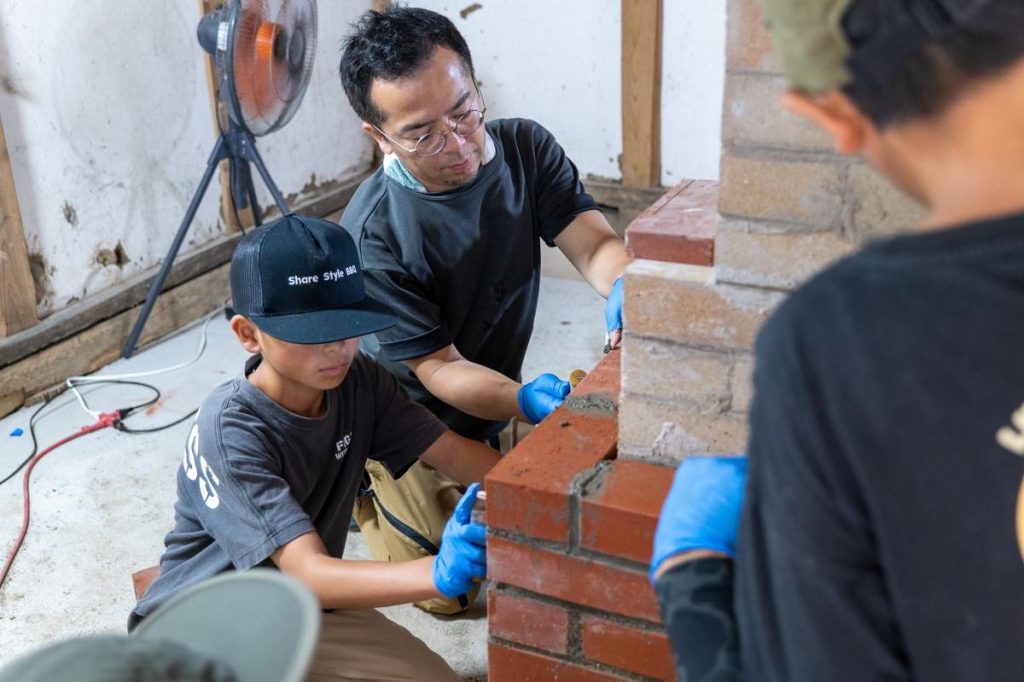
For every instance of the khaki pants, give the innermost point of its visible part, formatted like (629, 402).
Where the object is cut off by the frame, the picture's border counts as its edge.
(363, 644)
(421, 500)
(418, 503)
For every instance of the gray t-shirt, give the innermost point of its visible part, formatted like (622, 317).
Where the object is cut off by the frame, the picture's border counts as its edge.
(463, 267)
(255, 476)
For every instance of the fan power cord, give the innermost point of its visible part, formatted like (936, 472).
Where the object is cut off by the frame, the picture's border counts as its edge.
(105, 420)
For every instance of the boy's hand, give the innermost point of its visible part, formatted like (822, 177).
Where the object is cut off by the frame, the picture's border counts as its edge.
(613, 316)
(542, 396)
(463, 554)
(702, 510)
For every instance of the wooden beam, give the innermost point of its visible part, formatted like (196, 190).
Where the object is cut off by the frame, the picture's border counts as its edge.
(641, 93)
(17, 290)
(101, 344)
(381, 5)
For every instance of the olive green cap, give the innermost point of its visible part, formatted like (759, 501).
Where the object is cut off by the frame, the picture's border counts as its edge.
(809, 42)
(816, 54)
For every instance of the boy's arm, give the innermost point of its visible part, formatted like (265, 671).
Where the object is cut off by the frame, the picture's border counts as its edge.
(339, 583)
(347, 584)
(461, 459)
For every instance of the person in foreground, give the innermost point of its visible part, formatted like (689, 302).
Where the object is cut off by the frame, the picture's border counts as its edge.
(275, 457)
(450, 231)
(882, 532)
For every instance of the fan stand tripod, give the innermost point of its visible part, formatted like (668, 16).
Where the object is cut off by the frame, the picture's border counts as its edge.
(239, 148)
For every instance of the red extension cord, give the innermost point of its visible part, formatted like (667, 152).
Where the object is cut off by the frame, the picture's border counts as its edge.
(106, 420)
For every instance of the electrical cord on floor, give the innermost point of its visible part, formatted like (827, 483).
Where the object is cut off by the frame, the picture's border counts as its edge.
(35, 443)
(120, 425)
(105, 420)
(122, 413)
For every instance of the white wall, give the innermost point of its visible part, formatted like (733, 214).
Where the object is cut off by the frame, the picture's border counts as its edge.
(107, 116)
(693, 79)
(560, 64)
(554, 62)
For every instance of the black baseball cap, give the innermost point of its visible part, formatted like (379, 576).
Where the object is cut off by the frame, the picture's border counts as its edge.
(299, 279)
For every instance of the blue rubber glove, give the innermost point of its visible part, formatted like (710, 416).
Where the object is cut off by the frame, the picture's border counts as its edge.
(542, 396)
(702, 510)
(463, 554)
(613, 316)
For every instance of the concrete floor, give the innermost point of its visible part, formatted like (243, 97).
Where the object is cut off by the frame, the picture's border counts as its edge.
(102, 504)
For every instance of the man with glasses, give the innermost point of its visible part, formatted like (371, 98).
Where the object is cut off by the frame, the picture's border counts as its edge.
(450, 227)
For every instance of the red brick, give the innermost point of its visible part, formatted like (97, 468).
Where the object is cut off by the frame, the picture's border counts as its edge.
(604, 378)
(619, 517)
(528, 621)
(578, 580)
(645, 652)
(528, 491)
(679, 227)
(505, 664)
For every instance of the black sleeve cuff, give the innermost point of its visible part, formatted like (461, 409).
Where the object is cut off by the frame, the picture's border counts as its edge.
(696, 600)
(416, 346)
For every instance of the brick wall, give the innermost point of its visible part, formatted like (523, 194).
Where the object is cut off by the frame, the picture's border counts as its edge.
(786, 206)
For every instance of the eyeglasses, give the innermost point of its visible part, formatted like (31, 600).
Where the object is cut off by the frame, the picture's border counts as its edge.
(431, 144)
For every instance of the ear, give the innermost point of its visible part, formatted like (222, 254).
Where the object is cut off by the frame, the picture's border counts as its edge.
(382, 142)
(247, 334)
(834, 113)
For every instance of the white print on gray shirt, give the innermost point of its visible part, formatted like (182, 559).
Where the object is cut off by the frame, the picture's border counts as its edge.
(341, 447)
(208, 480)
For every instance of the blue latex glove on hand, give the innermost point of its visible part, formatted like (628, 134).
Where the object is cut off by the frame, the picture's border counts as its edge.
(542, 396)
(463, 554)
(702, 510)
(613, 316)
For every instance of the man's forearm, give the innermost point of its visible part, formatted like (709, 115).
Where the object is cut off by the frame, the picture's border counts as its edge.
(472, 388)
(607, 265)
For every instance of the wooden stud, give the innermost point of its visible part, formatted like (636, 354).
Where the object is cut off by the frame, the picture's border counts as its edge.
(17, 290)
(641, 93)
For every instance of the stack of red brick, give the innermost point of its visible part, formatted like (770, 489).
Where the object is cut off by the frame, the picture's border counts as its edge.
(572, 526)
(571, 531)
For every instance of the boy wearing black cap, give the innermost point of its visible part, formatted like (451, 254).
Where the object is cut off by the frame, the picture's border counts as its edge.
(275, 457)
(882, 532)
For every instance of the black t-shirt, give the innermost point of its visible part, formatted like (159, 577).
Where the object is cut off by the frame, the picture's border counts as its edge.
(463, 266)
(880, 536)
(255, 476)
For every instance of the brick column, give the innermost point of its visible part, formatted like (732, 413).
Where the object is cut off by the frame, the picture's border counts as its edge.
(786, 206)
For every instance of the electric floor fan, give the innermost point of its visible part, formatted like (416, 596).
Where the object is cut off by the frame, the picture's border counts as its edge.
(263, 57)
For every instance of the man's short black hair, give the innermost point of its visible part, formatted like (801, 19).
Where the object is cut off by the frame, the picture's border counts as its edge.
(393, 44)
(935, 76)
